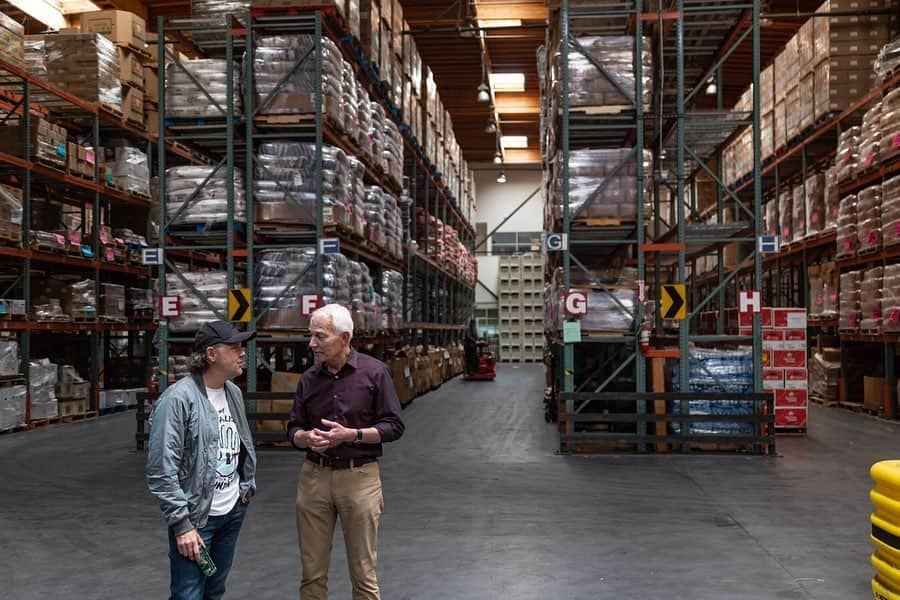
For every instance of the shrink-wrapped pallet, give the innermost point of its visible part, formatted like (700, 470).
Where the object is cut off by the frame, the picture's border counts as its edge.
(815, 203)
(847, 153)
(890, 302)
(870, 299)
(890, 125)
(85, 65)
(786, 215)
(847, 240)
(798, 208)
(196, 309)
(832, 199)
(890, 211)
(615, 169)
(868, 219)
(198, 88)
(870, 137)
(210, 204)
(42, 376)
(849, 316)
(12, 406)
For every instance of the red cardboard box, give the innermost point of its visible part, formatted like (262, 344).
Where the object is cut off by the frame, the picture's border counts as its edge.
(773, 379)
(794, 339)
(746, 319)
(796, 379)
(789, 359)
(790, 417)
(790, 318)
(791, 398)
(773, 339)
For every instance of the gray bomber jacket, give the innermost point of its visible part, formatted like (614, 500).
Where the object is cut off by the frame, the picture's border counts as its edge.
(184, 449)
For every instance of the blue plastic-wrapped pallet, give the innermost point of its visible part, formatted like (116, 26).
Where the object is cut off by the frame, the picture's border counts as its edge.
(726, 371)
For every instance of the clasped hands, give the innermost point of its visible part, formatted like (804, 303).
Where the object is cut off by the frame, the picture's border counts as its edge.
(319, 441)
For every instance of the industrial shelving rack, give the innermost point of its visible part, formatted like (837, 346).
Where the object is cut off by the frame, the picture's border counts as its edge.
(436, 303)
(684, 140)
(21, 94)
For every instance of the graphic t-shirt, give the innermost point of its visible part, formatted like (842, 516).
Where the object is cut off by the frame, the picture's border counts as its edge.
(227, 484)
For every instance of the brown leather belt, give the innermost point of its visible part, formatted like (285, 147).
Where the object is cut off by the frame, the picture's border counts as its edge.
(340, 463)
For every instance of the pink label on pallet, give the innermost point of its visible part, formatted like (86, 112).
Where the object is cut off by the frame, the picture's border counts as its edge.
(786, 233)
(120, 241)
(110, 255)
(89, 157)
(871, 238)
(895, 143)
(897, 228)
(853, 320)
(848, 158)
(870, 159)
(75, 238)
(104, 237)
(815, 218)
(895, 316)
(848, 243)
(60, 239)
(876, 314)
(834, 297)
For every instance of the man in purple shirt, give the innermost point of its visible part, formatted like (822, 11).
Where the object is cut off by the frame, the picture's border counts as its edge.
(345, 408)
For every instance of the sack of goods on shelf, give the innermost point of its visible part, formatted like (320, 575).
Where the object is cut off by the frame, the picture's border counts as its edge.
(10, 213)
(46, 142)
(139, 302)
(393, 151)
(724, 371)
(70, 385)
(609, 311)
(849, 316)
(588, 169)
(112, 300)
(357, 195)
(390, 286)
(890, 301)
(868, 219)
(12, 406)
(187, 99)
(128, 167)
(9, 357)
(832, 199)
(870, 295)
(615, 86)
(816, 209)
(80, 299)
(363, 131)
(786, 215)
(870, 137)
(277, 271)
(888, 60)
(285, 184)
(847, 239)
(365, 305)
(823, 291)
(890, 211)
(85, 65)
(217, 12)
(12, 41)
(824, 377)
(275, 57)
(890, 123)
(197, 310)
(798, 209)
(770, 217)
(379, 136)
(42, 376)
(210, 204)
(847, 157)
(383, 225)
(349, 98)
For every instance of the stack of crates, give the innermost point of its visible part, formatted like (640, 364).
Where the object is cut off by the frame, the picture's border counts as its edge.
(521, 308)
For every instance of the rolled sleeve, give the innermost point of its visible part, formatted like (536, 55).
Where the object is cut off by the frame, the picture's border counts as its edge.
(298, 415)
(387, 409)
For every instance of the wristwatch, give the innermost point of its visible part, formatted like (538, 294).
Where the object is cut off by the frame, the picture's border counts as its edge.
(359, 435)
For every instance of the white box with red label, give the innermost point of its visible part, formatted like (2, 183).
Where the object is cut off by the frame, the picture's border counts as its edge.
(772, 339)
(794, 339)
(789, 359)
(773, 379)
(789, 318)
(796, 379)
(746, 319)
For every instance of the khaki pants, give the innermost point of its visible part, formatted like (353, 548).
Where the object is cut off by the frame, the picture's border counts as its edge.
(355, 495)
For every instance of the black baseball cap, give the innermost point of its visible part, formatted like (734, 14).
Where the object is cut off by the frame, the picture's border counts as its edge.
(219, 332)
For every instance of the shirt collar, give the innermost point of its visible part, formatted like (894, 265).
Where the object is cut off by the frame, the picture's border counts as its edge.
(352, 362)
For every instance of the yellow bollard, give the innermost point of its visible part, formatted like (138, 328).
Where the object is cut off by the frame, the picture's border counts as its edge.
(886, 529)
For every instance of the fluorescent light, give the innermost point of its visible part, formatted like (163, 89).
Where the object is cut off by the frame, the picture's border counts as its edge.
(508, 82)
(492, 23)
(71, 7)
(42, 10)
(514, 141)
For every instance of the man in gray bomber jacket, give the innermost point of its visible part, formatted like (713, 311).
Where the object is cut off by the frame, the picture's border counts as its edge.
(201, 465)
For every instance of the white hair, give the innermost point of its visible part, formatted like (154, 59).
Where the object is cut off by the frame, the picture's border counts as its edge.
(339, 316)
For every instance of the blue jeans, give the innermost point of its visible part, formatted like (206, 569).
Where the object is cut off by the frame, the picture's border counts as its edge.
(220, 536)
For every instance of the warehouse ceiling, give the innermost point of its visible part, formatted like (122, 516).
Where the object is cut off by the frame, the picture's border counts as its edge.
(448, 34)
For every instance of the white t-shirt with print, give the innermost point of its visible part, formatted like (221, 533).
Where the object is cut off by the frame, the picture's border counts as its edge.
(227, 486)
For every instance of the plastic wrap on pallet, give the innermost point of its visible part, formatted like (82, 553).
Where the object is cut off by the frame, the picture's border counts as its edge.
(379, 141)
(349, 99)
(218, 13)
(198, 88)
(85, 65)
(890, 301)
(42, 376)
(356, 195)
(849, 316)
(393, 151)
(723, 371)
(390, 286)
(832, 199)
(590, 168)
(615, 84)
(138, 301)
(197, 310)
(129, 167)
(890, 211)
(870, 298)
(611, 311)
(12, 406)
(80, 298)
(276, 272)
(824, 377)
(771, 218)
(798, 209)
(868, 219)
(786, 215)
(847, 240)
(285, 184)
(11, 211)
(279, 57)
(870, 137)
(888, 60)
(890, 124)
(815, 203)
(363, 132)
(847, 157)
(376, 206)
(210, 204)
(9, 357)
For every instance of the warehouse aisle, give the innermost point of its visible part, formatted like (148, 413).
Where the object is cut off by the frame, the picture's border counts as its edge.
(478, 506)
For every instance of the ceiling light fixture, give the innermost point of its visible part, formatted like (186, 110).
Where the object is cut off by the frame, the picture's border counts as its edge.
(498, 158)
(501, 178)
(491, 126)
(711, 86)
(484, 93)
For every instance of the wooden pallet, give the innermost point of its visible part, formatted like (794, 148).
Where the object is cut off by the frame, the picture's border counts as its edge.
(11, 380)
(848, 331)
(109, 108)
(16, 429)
(83, 317)
(71, 173)
(868, 251)
(50, 165)
(11, 238)
(602, 222)
(870, 331)
(142, 52)
(140, 125)
(859, 407)
(823, 401)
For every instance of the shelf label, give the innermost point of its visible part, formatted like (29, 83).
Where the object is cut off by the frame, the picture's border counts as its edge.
(89, 157)
(750, 301)
(895, 143)
(87, 252)
(61, 149)
(571, 332)
(110, 255)
(575, 303)
(557, 242)
(239, 301)
(61, 240)
(169, 306)
(329, 246)
(309, 303)
(298, 180)
(674, 302)
(769, 244)
(150, 256)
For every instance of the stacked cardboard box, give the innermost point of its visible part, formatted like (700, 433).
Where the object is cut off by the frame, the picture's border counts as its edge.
(46, 142)
(823, 291)
(12, 41)
(850, 309)
(11, 215)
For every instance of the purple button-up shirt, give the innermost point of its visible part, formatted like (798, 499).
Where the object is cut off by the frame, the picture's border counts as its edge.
(361, 395)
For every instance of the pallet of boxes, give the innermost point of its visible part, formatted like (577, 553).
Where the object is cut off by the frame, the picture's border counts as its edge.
(128, 32)
(73, 393)
(12, 387)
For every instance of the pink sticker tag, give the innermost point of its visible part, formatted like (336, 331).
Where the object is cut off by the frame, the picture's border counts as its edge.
(895, 143)
(871, 238)
(89, 157)
(104, 237)
(120, 241)
(110, 255)
(870, 159)
(786, 232)
(75, 238)
(60, 239)
(848, 243)
(897, 228)
(853, 320)
(834, 297)
(876, 314)
(815, 218)
(848, 158)
(895, 316)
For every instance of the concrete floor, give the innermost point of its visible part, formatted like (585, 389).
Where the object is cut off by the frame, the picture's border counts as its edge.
(478, 506)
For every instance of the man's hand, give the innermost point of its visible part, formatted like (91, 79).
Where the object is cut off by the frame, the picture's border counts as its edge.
(338, 434)
(189, 544)
(313, 439)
